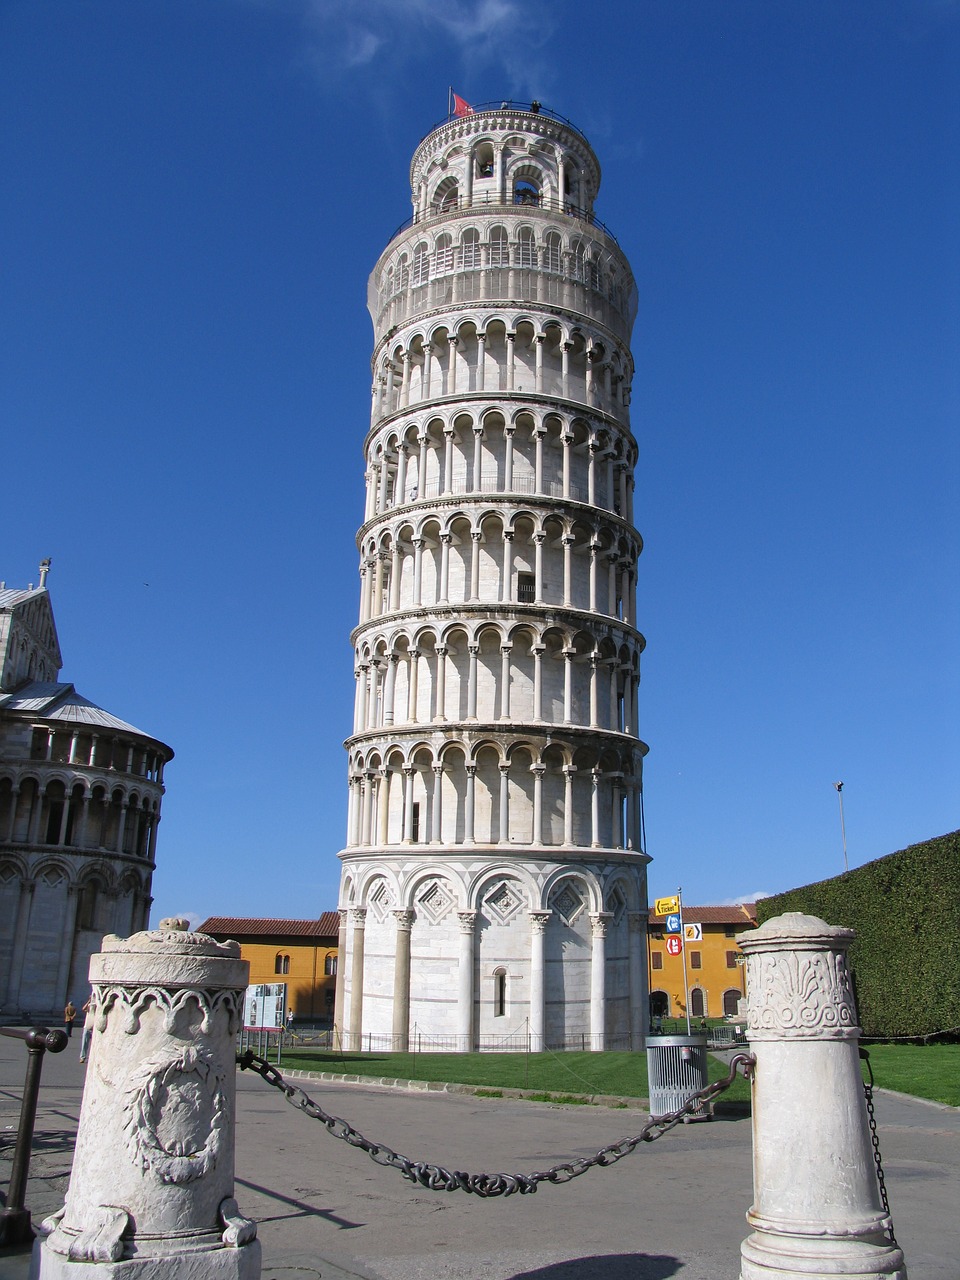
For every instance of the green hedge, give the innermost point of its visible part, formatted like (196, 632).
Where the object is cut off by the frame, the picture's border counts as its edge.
(905, 909)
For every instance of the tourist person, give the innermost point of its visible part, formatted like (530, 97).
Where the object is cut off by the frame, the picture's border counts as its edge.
(89, 1016)
(69, 1017)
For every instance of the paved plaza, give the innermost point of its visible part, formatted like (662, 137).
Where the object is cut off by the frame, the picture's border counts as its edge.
(674, 1208)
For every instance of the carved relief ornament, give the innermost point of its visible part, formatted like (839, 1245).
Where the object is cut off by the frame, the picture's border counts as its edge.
(800, 995)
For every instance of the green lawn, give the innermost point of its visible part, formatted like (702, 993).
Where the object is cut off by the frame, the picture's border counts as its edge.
(623, 1074)
(930, 1071)
(927, 1071)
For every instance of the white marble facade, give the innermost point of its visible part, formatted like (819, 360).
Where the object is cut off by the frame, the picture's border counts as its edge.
(493, 886)
(80, 795)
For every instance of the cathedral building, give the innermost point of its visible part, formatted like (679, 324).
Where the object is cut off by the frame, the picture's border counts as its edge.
(493, 886)
(80, 794)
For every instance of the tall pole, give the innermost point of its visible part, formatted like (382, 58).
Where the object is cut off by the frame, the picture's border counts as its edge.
(683, 960)
(843, 830)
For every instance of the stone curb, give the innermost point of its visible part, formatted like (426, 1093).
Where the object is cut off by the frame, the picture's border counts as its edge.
(470, 1090)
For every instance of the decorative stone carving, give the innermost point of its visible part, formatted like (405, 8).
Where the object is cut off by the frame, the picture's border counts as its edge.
(151, 1192)
(798, 980)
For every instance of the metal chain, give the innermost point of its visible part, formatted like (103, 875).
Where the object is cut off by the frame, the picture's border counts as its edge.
(437, 1178)
(871, 1117)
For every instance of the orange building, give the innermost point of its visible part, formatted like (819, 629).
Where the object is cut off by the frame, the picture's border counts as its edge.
(301, 953)
(715, 980)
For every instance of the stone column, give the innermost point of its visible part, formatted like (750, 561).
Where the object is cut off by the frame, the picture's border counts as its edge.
(538, 770)
(478, 442)
(817, 1209)
(505, 650)
(538, 651)
(151, 1192)
(503, 833)
(508, 459)
(538, 540)
(436, 828)
(467, 920)
(568, 771)
(599, 922)
(474, 652)
(418, 569)
(412, 689)
(470, 804)
(66, 944)
(401, 983)
(475, 539)
(358, 918)
(639, 1003)
(20, 935)
(538, 927)
(338, 995)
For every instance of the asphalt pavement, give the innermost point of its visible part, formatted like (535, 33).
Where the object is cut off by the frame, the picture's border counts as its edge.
(673, 1208)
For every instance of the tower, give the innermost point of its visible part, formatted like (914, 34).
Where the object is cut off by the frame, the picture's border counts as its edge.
(493, 887)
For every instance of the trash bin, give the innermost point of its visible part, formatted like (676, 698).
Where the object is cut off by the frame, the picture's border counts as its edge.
(676, 1070)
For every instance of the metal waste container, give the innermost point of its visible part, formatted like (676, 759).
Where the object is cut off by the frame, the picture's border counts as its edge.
(676, 1070)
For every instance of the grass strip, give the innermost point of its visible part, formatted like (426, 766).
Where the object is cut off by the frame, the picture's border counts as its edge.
(926, 1071)
(571, 1076)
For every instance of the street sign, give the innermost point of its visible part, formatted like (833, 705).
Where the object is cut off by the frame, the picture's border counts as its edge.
(664, 906)
(693, 932)
(673, 923)
(674, 945)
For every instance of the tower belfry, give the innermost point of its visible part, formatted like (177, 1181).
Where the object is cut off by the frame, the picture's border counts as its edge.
(493, 884)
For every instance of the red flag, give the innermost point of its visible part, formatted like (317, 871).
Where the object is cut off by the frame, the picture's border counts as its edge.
(461, 108)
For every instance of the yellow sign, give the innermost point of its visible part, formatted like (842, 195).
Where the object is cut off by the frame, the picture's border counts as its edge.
(665, 906)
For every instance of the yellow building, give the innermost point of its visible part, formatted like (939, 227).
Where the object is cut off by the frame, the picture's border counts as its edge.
(715, 979)
(301, 953)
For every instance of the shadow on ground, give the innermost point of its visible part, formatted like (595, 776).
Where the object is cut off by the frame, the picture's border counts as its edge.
(612, 1266)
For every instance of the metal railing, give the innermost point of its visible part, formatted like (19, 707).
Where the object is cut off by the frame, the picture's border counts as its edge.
(15, 1227)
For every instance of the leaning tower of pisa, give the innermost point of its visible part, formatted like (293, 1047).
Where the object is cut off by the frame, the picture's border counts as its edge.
(493, 887)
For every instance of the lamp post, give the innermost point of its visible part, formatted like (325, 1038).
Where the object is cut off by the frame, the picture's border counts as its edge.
(843, 832)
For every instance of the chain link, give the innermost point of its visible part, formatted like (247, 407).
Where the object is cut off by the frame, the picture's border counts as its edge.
(436, 1178)
(874, 1138)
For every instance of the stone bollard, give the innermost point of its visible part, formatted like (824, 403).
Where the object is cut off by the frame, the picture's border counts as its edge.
(817, 1210)
(151, 1192)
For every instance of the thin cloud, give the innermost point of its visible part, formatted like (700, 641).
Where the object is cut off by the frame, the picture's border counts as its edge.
(744, 897)
(502, 35)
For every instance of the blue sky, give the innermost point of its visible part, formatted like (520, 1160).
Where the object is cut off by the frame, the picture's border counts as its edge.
(194, 194)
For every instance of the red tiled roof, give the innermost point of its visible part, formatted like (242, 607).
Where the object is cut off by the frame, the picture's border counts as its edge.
(239, 926)
(744, 913)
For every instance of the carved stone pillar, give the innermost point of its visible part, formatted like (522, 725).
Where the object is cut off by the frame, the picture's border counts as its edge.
(467, 921)
(599, 922)
(358, 918)
(401, 983)
(538, 927)
(156, 1133)
(817, 1209)
(338, 1010)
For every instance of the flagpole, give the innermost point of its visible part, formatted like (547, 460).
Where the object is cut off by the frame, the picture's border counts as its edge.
(449, 100)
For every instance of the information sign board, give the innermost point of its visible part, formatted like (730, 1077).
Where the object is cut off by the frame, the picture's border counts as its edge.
(693, 932)
(264, 1006)
(664, 906)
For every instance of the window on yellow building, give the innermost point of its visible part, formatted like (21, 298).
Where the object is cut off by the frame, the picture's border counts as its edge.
(330, 966)
(696, 960)
(656, 960)
(731, 959)
(281, 964)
